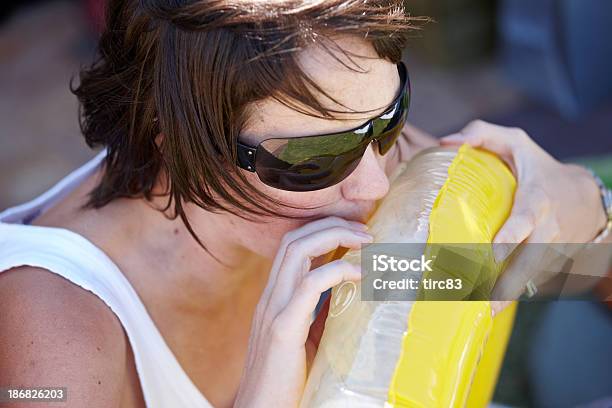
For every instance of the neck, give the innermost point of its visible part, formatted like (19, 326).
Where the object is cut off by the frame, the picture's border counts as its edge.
(179, 274)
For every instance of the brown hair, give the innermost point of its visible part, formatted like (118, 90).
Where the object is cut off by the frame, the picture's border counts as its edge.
(189, 70)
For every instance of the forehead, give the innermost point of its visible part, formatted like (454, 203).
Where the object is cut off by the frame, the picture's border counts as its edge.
(373, 89)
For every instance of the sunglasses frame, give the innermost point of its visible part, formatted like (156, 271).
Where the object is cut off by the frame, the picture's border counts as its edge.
(246, 155)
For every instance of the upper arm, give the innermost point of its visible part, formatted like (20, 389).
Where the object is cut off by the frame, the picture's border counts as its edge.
(55, 334)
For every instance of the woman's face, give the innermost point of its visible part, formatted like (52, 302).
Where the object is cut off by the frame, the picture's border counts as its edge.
(353, 198)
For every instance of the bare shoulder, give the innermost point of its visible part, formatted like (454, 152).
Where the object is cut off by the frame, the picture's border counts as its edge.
(54, 333)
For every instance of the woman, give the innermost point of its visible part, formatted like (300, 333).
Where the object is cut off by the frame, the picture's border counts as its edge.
(181, 266)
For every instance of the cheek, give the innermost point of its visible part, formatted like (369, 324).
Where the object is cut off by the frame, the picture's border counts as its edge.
(265, 237)
(305, 201)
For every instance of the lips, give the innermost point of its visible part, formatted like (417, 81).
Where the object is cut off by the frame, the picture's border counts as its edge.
(363, 215)
(350, 211)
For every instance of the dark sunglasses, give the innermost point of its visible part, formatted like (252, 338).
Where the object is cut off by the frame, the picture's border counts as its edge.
(310, 163)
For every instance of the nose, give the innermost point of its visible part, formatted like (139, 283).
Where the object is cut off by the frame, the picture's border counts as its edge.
(368, 181)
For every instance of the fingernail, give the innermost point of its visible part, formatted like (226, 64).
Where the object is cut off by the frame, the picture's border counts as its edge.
(359, 225)
(364, 235)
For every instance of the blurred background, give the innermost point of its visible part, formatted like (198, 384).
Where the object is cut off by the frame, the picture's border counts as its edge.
(542, 65)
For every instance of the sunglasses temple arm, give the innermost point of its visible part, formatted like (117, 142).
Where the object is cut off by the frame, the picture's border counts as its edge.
(245, 156)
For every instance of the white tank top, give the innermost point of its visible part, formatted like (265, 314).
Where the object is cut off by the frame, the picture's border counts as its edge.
(164, 383)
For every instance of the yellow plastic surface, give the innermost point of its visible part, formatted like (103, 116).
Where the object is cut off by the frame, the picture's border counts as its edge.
(474, 201)
(445, 349)
(488, 368)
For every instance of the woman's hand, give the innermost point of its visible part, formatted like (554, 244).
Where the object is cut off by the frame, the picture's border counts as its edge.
(276, 367)
(553, 203)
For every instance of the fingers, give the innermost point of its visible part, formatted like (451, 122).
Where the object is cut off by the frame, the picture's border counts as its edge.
(514, 231)
(296, 262)
(533, 262)
(531, 208)
(319, 243)
(500, 140)
(314, 226)
(531, 222)
(294, 320)
(293, 260)
(539, 208)
(517, 228)
(301, 232)
(278, 339)
(521, 269)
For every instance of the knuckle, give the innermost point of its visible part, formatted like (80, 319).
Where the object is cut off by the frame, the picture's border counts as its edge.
(473, 137)
(278, 328)
(509, 234)
(539, 197)
(477, 127)
(528, 217)
(294, 248)
(339, 230)
(477, 124)
(289, 237)
(309, 284)
(336, 235)
(518, 134)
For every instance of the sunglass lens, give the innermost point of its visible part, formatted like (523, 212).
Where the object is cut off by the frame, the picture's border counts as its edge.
(309, 163)
(390, 125)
